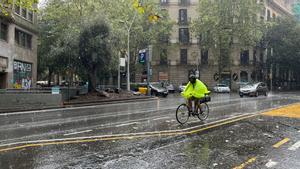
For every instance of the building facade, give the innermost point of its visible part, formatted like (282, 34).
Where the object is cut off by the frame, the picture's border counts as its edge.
(18, 49)
(182, 54)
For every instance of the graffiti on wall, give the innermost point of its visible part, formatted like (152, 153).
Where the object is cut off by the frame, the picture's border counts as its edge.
(22, 75)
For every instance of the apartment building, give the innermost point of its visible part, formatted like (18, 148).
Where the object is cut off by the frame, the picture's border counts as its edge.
(182, 54)
(18, 48)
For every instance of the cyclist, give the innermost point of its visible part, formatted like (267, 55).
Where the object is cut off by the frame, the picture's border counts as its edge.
(194, 91)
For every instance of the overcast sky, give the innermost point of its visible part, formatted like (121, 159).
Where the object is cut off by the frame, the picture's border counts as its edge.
(42, 3)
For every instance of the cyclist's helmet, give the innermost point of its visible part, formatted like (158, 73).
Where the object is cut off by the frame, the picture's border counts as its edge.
(192, 78)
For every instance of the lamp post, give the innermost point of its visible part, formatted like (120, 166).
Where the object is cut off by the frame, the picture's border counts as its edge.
(128, 27)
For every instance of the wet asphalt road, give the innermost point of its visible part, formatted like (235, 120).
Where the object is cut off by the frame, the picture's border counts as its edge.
(244, 143)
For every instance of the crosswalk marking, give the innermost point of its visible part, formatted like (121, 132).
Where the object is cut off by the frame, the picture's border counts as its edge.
(295, 146)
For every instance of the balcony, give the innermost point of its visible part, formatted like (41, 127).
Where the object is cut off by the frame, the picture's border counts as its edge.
(184, 22)
(184, 2)
(164, 2)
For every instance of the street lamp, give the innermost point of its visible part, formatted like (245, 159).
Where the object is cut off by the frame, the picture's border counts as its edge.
(128, 27)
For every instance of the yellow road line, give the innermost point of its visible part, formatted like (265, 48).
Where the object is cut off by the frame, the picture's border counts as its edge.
(280, 143)
(142, 135)
(250, 161)
(128, 137)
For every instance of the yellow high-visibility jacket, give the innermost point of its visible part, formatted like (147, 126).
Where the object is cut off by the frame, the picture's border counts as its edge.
(198, 90)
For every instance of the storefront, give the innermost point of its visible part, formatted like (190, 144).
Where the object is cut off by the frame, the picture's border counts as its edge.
(22, 75)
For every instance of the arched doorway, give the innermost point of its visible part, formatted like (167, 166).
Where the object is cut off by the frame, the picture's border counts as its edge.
(244, 76)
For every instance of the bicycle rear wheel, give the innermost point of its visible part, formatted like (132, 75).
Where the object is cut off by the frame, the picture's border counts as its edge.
(203, 112)
(182, 114)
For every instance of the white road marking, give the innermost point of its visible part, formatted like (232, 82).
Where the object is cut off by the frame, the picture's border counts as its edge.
(161, 118)
(295, 146)
(271, 163)
(127, 124)
(78, 132)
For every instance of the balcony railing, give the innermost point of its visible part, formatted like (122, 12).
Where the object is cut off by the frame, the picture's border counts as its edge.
(164, 2)
(184, 2)
(184, 22)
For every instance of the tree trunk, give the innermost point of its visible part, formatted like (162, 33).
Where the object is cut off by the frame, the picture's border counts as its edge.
(93, 80)
(49, 77)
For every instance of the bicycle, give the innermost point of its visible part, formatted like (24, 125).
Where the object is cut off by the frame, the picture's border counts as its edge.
(183, 114)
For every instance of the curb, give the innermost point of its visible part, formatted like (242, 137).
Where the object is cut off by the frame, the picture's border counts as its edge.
(110, 101)
(83, 103)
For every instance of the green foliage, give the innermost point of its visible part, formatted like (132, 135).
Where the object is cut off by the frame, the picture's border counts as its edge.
(7, 5)
(284, 38)
(223, 24)
(60, 23)
(94, 51)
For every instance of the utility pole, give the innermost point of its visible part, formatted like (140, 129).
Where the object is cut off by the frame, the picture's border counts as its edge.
(119, 70)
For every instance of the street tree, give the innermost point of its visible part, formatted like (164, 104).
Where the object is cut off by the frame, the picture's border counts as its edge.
(60, 25)
(94, 50)
(284, 39)
(222, 25)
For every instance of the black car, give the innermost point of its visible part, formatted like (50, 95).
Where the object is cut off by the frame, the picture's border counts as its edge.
(255, 89)
(157, 89)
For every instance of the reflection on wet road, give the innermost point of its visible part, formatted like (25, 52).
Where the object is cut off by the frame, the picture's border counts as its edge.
(247, 142)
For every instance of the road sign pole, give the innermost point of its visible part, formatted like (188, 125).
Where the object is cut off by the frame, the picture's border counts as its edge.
(148, 57)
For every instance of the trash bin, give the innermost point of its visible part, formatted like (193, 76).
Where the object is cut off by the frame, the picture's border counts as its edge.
(143, 90)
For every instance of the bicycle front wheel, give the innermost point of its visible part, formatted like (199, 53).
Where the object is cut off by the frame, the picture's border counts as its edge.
(182, 114)
(203, 112)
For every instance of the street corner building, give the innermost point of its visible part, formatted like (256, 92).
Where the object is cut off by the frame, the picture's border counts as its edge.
(18, 48)
(180, 53)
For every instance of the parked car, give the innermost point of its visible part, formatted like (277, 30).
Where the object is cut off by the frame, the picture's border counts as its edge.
(182, 87)
(242, 84)
(255, 89)
(157, 89)
(222, 88)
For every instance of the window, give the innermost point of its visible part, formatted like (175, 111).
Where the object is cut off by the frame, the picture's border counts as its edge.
(163, 57)
(183, 56)
(261, 57)
(244, 76)
(18, 9)
(182, 16)
(23, 39)
(184, 35)
(254, 56)
(164, 1)
(204, 57)
(24, 12)
(3, 31)
(244, 57)
(30, 15)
